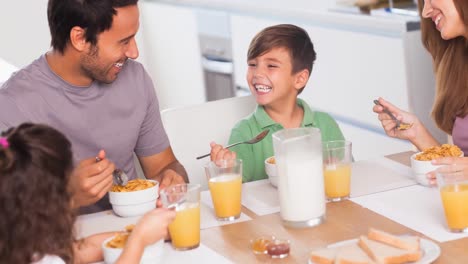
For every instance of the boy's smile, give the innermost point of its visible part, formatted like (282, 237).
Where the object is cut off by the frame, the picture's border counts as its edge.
(262, 89)
(270, 77)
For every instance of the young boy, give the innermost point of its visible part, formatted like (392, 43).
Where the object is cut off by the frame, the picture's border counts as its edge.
(280, 60)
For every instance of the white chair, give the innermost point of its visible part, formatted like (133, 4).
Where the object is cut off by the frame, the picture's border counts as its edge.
(192, 128)
(6, 69)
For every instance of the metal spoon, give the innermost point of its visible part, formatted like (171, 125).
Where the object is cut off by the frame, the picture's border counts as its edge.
(399, 125)
(119, 176)
(254, 140)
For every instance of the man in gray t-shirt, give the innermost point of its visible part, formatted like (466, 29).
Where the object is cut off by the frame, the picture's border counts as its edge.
(87, 87)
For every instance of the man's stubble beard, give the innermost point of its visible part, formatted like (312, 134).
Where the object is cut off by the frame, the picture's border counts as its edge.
(91, 67)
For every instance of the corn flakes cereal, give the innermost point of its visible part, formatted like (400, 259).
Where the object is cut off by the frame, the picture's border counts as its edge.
(120, 240)
(446, 150)
(133, 185)
(404, 126)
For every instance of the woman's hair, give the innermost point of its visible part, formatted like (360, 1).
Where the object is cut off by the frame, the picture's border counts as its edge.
(94, 16)
(450, 59)
(292, 38)
(35, 205)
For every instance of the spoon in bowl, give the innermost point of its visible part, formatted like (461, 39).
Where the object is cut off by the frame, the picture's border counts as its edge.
(399, 125)
(254, 140)
(120, 177)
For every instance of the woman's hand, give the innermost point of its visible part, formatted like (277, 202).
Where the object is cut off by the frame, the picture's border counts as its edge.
(417, 133)
(389, 125)
(454, 167)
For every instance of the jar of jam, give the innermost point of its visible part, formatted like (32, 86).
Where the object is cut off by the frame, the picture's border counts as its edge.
(279, 248)
(270, 245)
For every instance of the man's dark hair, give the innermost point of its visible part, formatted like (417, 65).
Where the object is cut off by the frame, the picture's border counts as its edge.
(95, 16)
(291, 37)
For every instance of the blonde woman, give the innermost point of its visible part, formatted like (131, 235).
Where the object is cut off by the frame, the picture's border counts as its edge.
(444, 27)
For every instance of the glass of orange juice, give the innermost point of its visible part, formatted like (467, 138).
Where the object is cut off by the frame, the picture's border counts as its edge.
(185, 229)
(337, 159)
(453, 186)
(225, 184)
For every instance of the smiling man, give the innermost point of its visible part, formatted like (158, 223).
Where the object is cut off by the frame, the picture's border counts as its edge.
(89, 87)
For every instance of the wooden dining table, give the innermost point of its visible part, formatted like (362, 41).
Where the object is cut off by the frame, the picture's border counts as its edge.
(344, 220)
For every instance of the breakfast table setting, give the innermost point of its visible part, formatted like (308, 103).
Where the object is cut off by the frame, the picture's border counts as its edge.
(384, 195)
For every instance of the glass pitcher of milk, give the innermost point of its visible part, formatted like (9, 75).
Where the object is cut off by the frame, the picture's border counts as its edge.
(298, 154)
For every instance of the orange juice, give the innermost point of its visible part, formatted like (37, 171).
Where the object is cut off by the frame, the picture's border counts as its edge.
(337, 180)
(455, 201)
(185, 229)
(226, 195)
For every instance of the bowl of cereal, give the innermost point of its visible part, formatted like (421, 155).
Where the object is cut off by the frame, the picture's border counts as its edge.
(270, 169)
(421, 162)
(113, 247)
(136, 198)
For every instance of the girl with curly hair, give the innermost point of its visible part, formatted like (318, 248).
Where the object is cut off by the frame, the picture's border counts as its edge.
(36, 223)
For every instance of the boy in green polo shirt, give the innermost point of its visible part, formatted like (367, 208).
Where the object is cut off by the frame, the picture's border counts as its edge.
(280, 60)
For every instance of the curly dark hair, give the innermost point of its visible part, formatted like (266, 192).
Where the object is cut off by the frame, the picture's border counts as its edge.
(35, 204)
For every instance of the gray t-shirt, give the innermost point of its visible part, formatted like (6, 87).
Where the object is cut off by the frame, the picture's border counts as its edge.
(121, 118)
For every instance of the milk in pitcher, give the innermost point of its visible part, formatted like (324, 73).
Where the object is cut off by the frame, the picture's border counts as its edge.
(298, 153)
(301, 191)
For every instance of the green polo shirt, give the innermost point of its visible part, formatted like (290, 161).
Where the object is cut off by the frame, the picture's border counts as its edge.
(253, 156)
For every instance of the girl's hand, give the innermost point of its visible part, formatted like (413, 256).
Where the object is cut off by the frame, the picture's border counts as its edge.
(152, 227)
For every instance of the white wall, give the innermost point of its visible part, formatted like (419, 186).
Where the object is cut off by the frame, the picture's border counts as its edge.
(170, 51)
(24, 30)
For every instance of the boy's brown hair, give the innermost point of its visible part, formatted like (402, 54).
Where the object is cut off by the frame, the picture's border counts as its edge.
(291, 37)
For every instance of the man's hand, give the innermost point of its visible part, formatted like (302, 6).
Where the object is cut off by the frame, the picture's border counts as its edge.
(91, 180)
(170, 177)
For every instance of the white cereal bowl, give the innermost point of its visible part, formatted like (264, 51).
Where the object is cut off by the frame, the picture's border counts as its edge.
(421, 168)
(270, 169)
(152, 253)
(127, 204)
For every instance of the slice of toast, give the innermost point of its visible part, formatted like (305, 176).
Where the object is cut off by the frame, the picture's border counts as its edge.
(386, 254)
(323, 255)
(352, 254)
(407, 242)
